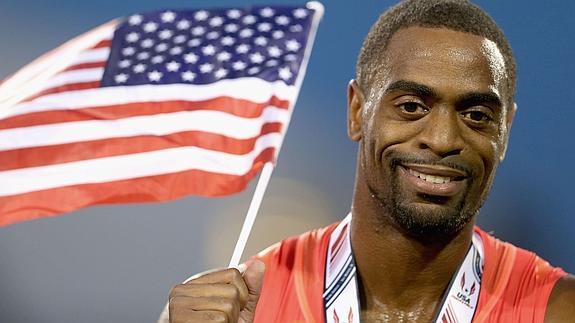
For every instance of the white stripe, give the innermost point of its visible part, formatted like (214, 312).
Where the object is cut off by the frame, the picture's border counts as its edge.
(131, 166)
(251, 89)
(75, 76)
(156, 125)
(92, 56)
(28, 80)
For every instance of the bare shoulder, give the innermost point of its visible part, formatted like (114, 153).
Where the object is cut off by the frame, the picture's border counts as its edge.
(561, 306)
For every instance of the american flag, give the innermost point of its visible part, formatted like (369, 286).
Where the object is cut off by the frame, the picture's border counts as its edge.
(151, 107)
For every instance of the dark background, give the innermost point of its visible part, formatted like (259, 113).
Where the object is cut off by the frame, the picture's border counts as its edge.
(117, 263)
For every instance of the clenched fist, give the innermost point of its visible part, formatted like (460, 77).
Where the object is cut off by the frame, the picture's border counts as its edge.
(221, 296)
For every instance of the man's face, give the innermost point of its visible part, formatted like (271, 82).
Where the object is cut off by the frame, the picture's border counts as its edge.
(433, 128)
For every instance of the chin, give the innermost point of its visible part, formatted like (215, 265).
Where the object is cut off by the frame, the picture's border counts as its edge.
(430, 220)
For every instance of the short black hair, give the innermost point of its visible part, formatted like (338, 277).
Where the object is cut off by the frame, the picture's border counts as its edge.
(457, 15)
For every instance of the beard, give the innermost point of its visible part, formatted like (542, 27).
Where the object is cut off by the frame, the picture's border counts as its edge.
(433, 217)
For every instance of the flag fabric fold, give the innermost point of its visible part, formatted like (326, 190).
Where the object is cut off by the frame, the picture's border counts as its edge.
(152, 107)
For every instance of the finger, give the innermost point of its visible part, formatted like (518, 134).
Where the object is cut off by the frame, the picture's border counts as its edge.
(191, 316)
(230, 276)
(183, 306)
(212, 290)
(253, 276)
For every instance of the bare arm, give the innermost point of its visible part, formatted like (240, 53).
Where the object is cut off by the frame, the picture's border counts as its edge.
(561, 306)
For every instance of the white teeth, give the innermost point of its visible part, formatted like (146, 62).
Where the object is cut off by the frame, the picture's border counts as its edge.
(435, 179)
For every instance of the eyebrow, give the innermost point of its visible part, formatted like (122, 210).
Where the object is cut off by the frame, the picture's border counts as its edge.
(410, 86)
(489, 98)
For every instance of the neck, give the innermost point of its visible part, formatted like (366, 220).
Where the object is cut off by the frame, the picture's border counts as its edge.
(397, 272)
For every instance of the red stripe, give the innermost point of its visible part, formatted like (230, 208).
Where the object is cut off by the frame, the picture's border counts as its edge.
(102, 44)
(64, 88)
(168, 187)
(57, 154)
(237, 107)
(339, 240)
(85, 65)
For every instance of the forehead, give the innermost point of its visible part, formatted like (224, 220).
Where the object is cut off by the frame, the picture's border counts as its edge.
(445, 60)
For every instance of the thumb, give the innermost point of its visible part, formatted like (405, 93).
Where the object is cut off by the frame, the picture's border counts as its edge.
(254, 278)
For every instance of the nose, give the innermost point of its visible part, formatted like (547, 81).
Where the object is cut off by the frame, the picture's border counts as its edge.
(442, 133)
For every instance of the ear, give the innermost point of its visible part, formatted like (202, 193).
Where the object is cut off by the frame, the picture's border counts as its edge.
(508, 124)
(355, 104)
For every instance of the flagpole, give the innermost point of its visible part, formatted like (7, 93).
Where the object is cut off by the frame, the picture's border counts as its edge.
(263, 181)
(266, 173)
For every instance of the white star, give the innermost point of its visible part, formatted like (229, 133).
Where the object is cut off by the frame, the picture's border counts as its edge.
(274, 51)
(198, 30)
(147, 43)
(188, 76)
(216, 21)
(292, 45)
(253, 70)
(173, 66)
(183, 24)
(249, 19)
(150, 27)
(267, 12)
(224, 56)
(161, 47)
(128, 51)
(212, 35)
(271, 63)
(209, 50)
(284, 73)
(261, 41)
(231, 28)
(300, 13)
(168, 16)
(124, 63)
(278, 34)
(245, 33)
(191, 58)
(176, 50)
(295, 28)
(201, 15)
(121, 78)
(194, 42)
(234, 14)
(143, 55)
(239, 65)
(165, 34)
(228, 41)
(155, 76)
(139, 68)
(220, 73)
(157, 59)
(242, 49)
(135, 20)
(132, 37)
(264, 26)
(290, 57)
(179, 39)
(206, 68)
(256, 58)
(282, 20)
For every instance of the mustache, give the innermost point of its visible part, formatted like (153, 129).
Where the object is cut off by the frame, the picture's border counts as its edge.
(397, 158)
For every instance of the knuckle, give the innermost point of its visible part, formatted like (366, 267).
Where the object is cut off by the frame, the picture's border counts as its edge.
(216, 317)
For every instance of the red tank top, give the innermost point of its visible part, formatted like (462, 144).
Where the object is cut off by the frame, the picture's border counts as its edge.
(515, 287)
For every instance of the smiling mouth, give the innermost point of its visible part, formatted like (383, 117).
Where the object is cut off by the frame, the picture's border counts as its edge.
(434, 180)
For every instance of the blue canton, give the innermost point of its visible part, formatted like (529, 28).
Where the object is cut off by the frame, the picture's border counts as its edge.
(205, 46)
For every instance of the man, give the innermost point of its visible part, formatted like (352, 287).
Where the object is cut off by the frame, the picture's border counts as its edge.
(431, 109)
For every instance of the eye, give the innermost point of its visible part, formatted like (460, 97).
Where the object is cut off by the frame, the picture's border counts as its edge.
(477, 116)
(412, 108)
